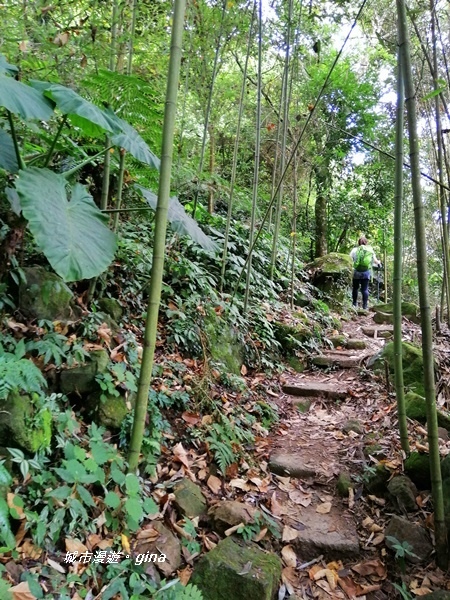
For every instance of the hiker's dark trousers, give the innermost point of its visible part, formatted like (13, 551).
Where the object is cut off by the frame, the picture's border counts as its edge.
(361, 280)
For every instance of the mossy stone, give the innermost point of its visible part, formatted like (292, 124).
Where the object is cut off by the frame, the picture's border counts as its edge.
(416, 408)
(301, 299)
(303, 405)
(383, 318)
(289, 336)
(353, 425)
(223, 343)
(45, 296)
(111, 307)
(81, 379)
(338, 340)
(417, 467)
(332, 275)
(412, 364)
(344, 483)
(376, 481)
(237, 570)
(295, 363)
(111, 411)
(189, 498)
(404, 491)
(20, 428)
(356, 344)
(409, 310)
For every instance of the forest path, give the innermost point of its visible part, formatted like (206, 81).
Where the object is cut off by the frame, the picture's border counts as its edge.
(327, 418)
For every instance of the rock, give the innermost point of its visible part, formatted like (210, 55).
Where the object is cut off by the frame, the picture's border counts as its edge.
(356, 344)
(296, 363)
(344, 483)
(166, 543)
(412, 364)
(302, 299)
(416, 408)
(45, 296)
(110, 411)
(315, 389)
(111, 307)
(189, 498)
(223, 342)
(21, 426)
(437, 595)
(403, 530)
(334, 360)
(332, 275)
(290, 464)
(409, 310)
(338, 340)
(443, 434)
(382, 318)
(404, 492)
(353, 425)
(376, 481)
(289, 336)
(333, 534)
(302, 404)
(81, 380)
(378, 332)
(417, 467)
(238, 571)
(229, 513)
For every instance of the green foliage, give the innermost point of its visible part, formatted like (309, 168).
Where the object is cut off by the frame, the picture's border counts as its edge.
(18, 374)
(260, 521)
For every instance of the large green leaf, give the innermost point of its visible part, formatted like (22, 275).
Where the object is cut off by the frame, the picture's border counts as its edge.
(180, 221)
(24, 100)
(8, 158)
(6, 535)
(6, 68)
(66, 224)
(81, 112)
(131, 141)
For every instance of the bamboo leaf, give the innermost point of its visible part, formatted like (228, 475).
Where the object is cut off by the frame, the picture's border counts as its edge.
(23, 100)
(180, 221)
(67, 225)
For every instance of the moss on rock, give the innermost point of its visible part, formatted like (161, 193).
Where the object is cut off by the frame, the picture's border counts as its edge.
(223, 343)
(417, 467)
(238, 571)
(21, 426)
(332, 275)
(289, 336)
(45, 296)
(416, 408)
(109, 411)
(412, 364)
(81, 379)
(409, 310)
(111, 307)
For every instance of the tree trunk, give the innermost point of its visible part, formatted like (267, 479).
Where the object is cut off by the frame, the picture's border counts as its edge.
(140, 411)
(322, 189)
(440, 529)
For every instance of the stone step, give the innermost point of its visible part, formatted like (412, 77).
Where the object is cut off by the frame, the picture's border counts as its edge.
(341, 360)
(315, 389)
(349, 343)
(378, 332)
(380, 317)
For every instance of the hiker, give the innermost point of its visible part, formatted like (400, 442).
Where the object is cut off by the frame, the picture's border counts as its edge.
(363, 260)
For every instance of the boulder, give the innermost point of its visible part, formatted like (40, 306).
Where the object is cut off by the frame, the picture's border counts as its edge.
(223, 342)
(383, 318)
(409, 310)
(45, 296)
(375, 482)
(237, 570)
(416, 408)
(21, 426)
(332, 275)
(412, 364)
(108, 410)
(417, 467)
(189, 498)
(229, 513)
(403, 530)
(290, 335)
(81, 379)
(405, 492)
(111, 307)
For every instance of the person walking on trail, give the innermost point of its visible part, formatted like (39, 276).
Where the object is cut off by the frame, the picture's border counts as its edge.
(363, 256)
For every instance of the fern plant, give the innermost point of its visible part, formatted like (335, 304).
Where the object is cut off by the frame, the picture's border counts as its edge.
(19, 374)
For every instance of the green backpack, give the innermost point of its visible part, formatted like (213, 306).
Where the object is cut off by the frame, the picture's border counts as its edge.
(363, 259)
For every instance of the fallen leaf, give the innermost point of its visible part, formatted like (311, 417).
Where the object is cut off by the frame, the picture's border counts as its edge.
(299, 497)
(350, 587)
(74, 545)
(241, 484)
(370, 567)
(290, 579)
(214, 484)
(190, 418)
(261, 535)
(10, 497)
(422, 591)
(55, 565)
(376, 500)
(61, 39)
(125, 543)
(181, 455)
(324, 508)
(243, 370)
(231, 530)
(289, 534)
(313, 570)
(29, 550)
(184, 575)
(104, 332)
(22, 592)
(289, 556)
(275, 507)
(378, 539)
